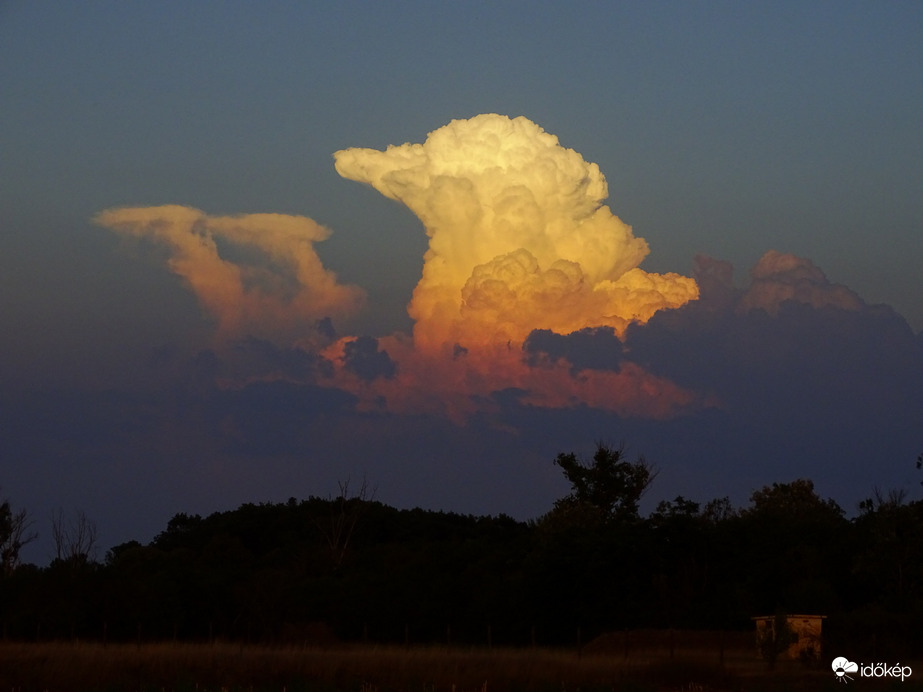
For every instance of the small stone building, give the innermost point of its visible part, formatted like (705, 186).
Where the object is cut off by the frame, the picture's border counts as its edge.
(805, 631)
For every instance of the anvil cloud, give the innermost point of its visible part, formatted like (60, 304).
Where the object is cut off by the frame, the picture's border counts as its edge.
(254, 274)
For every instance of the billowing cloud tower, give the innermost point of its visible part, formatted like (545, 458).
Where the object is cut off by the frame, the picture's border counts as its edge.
(520, 243)
(519, 236)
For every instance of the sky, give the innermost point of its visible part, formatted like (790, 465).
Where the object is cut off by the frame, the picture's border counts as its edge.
(250, 251)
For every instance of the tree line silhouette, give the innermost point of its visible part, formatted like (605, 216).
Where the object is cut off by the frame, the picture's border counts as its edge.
(351, 569)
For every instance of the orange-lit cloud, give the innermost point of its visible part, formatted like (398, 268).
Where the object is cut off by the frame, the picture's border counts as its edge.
(460, 386)
(254, 274)
(519, 236)
(519, 240)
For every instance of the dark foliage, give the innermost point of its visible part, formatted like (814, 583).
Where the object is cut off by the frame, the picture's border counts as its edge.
(271, 573)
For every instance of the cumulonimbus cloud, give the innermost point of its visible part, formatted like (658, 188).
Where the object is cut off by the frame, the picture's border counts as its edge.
(519, 240)
(255, 274)
(519, 237)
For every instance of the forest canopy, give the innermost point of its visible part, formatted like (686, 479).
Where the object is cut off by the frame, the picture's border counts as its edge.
(353, 568)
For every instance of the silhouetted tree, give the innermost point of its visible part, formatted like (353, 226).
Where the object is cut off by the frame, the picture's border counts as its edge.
(889, 555)
(609, 488)
(339, 526)
(719, 510)
(575, 574)
(14, 534)
(791, 545)
(74, 536)
(795, 500)
(679, 532)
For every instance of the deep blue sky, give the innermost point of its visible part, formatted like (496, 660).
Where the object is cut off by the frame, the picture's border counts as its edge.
(723, 128)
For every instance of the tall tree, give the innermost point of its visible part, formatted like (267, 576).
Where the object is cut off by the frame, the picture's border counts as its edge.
(609, 488)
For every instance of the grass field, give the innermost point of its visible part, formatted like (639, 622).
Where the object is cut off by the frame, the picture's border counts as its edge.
(82, 666)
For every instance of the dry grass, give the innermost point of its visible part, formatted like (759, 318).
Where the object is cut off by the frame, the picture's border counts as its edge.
(66, 667)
